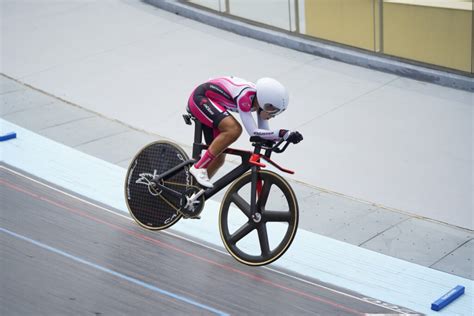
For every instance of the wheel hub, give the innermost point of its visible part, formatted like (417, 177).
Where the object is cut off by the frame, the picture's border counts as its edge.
(257, 217)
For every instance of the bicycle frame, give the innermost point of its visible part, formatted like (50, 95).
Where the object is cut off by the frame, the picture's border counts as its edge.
(245, 166)
(250, 161)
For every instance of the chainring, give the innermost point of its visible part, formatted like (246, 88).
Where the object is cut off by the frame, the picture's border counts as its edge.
(191, 209)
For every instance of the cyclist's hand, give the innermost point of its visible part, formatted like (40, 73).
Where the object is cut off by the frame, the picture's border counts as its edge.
(295, 137)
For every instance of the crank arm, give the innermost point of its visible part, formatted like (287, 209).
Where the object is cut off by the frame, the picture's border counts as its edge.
(196, 196)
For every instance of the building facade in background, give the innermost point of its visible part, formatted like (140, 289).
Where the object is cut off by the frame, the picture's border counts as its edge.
(437, 33)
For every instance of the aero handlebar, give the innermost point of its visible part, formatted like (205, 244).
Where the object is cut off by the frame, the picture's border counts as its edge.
(268, 144)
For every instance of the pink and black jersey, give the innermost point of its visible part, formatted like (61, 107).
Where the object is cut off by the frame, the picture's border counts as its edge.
(211, 100)
(233, 93)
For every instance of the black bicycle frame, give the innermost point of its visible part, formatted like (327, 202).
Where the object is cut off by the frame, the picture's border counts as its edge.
(250, 161)
(246, 165)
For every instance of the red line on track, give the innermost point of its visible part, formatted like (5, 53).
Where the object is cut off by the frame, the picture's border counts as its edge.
(189, 254)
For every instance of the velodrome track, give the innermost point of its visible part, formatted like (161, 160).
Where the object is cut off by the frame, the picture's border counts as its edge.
(66, 255)
(70, 247)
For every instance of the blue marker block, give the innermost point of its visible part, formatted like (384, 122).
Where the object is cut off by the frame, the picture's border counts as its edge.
(447, 298)
(7, 137)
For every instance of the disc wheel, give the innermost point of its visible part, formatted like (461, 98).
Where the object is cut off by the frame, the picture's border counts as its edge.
(262, 240)
(150, 207)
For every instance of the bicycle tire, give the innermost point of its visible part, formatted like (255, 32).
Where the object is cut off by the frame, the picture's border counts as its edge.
(291, 216)
(147, 206)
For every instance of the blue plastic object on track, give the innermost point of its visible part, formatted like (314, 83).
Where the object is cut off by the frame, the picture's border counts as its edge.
(7, 136)
(447, 298)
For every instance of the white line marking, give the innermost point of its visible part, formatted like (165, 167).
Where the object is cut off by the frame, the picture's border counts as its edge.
(114, 273)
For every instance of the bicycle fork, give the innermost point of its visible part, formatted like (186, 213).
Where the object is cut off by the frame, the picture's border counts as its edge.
(256, 188)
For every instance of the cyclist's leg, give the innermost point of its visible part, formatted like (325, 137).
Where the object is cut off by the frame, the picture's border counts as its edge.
(229, 130)
(216, 164)
(216, 121)
(209, 135)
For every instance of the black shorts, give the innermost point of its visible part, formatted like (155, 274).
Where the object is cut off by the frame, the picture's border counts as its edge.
(209, 113)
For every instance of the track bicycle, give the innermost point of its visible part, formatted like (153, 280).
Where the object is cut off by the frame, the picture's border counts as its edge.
(258, 217)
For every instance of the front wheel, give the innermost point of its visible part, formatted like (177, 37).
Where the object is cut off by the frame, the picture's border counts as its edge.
(264, 239)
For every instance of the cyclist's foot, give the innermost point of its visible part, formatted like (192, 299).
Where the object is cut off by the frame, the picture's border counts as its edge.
(201, 176)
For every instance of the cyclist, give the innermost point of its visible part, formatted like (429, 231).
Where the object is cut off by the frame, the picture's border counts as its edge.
(211, 102)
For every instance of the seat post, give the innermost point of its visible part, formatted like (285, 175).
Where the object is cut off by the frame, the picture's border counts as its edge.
(197, 146)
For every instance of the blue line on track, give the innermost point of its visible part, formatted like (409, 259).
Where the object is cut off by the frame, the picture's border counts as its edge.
(114, 273)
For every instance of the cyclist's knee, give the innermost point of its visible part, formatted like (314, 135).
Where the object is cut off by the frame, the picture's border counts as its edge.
(236, 131)
(231, 128)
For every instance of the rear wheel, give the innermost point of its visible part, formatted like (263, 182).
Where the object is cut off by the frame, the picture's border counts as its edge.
(262, 240)
(150, 207)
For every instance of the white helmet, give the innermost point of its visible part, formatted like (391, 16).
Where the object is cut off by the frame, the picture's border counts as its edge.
(271, 96)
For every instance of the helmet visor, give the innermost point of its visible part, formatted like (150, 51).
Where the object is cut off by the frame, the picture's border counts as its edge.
(271, 109)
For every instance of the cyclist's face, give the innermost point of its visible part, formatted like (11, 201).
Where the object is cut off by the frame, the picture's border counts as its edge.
(265, 115)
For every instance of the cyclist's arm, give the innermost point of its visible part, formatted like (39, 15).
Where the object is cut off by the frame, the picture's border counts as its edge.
(252, 129)
(262, 124)
(244, 104)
